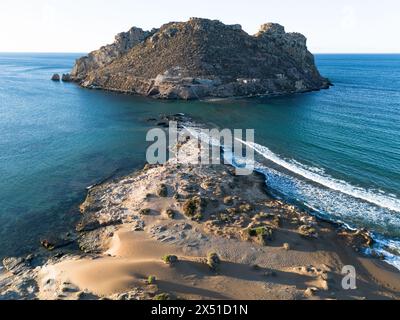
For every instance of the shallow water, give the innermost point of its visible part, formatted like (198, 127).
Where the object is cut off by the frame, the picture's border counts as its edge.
(335, 151)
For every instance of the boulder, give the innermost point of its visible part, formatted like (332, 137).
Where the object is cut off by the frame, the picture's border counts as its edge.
(15, 265)
(55, 77)
(66, 77)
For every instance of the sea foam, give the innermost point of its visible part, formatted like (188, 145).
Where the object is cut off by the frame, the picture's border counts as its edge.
(317, 175)
(327, 197)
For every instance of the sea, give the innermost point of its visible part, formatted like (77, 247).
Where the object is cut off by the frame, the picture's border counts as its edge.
(335, 153)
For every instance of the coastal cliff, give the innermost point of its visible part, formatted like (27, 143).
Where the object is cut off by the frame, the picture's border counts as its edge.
(202, 58)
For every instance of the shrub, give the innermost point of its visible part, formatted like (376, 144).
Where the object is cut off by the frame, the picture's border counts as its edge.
(162, 191)
(246, 208)
(151, 280)
(162, 296)
(263, 234)
(170, 259)
(145, 212)
(308, 231)
(193, 206)
(213, 261)
(198, 217)
(170, 213)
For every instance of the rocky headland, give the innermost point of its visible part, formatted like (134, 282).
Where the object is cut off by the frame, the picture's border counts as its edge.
(185, 231)
(201, 59)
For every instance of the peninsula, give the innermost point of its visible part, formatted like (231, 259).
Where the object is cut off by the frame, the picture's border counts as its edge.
(180, 231)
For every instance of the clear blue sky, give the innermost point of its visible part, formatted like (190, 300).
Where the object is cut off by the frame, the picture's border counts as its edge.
(85, 25)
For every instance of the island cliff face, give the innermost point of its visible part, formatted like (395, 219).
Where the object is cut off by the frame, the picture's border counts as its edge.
(202, 59)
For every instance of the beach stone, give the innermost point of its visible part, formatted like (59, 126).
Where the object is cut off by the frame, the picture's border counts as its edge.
(15, 265)
(68, 287)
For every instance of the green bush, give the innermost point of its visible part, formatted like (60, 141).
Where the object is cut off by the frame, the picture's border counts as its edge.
(170, 213)
(162, 191)
(162, 296)
(145, 212)
(193, 206)
(170, 259)
(263, 234)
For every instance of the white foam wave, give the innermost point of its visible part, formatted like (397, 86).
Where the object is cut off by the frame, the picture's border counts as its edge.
(378, 199)
(328, 197)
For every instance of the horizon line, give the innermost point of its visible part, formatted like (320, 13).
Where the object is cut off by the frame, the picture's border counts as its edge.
(85, 52)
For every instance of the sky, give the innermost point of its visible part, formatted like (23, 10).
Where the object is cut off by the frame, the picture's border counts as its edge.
(338, 26)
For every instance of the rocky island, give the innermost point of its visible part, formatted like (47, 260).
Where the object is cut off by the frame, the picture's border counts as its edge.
(201, 59)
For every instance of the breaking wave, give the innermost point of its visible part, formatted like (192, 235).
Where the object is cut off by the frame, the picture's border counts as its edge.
(327, 197)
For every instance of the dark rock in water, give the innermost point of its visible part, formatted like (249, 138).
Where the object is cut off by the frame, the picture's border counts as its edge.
(48, 245)
(163, 124)
(66, 77)
(202, 58)
(55, 77)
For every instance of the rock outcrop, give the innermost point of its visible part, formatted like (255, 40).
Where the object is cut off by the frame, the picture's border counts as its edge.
(66, 77)
(55, 77)
(105, 55)
(200, 59)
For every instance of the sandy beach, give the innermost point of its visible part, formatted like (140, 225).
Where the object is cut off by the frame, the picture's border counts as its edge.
(183, 231)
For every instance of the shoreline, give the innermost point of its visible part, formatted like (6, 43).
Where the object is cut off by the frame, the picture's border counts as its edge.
(266, 248)
(209, 98)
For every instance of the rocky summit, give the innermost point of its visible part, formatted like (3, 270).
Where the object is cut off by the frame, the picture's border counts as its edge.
(202, 58)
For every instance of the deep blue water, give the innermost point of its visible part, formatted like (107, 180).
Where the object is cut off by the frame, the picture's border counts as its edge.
(336, 151)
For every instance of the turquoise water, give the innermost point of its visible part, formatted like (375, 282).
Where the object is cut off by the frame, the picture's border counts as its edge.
(336, 151)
